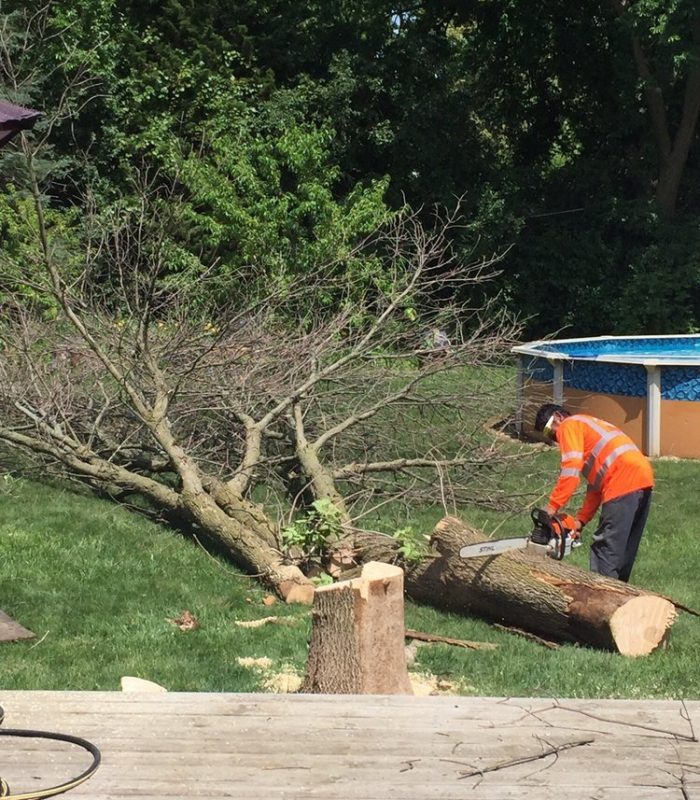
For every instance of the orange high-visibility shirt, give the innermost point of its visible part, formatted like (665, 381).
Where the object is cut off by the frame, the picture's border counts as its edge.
(607, 458)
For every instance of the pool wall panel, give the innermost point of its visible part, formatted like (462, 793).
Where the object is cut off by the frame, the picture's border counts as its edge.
(680, 419)
(680, 428)
(625, 412)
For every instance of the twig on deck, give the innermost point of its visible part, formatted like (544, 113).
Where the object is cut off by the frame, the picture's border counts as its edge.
(685, 714)
(682, 779)
(673, 734)
(684, 789)
(514, 762)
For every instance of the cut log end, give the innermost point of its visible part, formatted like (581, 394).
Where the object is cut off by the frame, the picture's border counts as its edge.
(642, 624)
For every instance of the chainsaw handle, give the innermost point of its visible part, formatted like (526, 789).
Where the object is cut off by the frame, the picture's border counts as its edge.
(539, 516)
(557, 530)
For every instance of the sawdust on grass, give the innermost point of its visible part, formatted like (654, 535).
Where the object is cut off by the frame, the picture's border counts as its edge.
(286, 680)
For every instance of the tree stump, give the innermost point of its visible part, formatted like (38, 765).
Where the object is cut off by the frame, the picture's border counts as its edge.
(550, 598)
(357, 638)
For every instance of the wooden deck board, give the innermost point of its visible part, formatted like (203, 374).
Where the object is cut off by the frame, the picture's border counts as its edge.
(283, 747)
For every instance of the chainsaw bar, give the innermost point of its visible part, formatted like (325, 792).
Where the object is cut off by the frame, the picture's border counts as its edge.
(493, 548)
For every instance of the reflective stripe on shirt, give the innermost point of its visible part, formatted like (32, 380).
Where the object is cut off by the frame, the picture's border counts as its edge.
(570, 472)
(618, 451)
(571, 454)
(606, 436)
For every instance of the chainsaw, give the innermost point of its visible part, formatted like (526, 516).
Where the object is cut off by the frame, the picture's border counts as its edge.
(552, 535)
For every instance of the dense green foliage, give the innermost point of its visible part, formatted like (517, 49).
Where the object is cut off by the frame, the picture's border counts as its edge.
(288, 131)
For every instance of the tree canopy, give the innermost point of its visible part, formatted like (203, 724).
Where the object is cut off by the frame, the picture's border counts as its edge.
(292, 130)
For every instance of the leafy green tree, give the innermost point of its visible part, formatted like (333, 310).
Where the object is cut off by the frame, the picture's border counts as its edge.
(665, 39)
(570, 135)
(263, 194)
(167, 90)
(597, 197)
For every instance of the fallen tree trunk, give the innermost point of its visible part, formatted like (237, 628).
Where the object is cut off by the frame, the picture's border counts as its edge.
(537, 594)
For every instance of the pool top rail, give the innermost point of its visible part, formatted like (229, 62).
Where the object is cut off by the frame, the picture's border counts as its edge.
(668, 349)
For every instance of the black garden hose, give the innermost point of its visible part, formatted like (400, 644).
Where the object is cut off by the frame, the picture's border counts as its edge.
(59, 737)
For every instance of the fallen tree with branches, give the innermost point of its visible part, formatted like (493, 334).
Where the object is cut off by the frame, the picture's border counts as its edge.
(272, 435)
(274, 427)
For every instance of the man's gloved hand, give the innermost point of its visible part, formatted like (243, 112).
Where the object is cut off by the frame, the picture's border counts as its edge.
(574, 527)
(569, 522)
(577, 535)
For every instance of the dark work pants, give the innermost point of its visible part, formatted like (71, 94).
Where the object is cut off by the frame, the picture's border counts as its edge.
(616, 541)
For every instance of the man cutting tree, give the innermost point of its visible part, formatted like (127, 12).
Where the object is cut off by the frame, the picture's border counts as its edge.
(620, 482)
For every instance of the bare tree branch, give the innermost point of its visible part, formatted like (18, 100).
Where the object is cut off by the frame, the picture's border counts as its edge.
(547, 751)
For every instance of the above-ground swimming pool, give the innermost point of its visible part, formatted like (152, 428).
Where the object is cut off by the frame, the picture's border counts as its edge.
(649, 386)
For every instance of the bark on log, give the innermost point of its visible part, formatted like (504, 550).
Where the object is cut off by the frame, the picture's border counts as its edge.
(357, 639)
(546, 597)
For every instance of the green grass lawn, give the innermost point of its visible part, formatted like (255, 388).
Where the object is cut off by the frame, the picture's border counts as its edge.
(97, 585)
